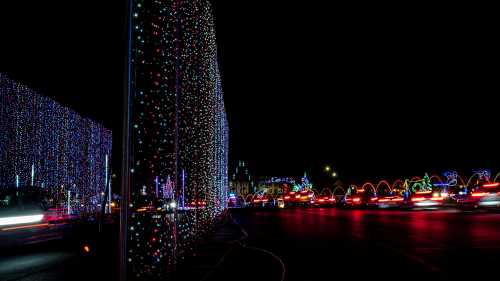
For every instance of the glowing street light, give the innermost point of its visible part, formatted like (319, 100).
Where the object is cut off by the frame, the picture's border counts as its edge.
(334, 174)
(328, 168)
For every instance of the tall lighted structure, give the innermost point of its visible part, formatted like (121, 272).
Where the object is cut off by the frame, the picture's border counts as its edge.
(177, 133)
(48, 146)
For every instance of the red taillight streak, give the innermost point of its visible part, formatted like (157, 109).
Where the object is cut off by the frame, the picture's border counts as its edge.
(437, 198)
(479, 194)
(417, 199)
(25, 226)
(356, 199)
(491, 184)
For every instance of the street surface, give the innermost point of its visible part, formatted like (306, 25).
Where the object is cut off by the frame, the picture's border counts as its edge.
(310, 243)
(336, 244)
(63, 259)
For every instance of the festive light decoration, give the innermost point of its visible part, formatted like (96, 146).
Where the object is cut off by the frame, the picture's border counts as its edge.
(453, 183)
(451, 177)
(51, 147)
(304, 184)
(179, 133)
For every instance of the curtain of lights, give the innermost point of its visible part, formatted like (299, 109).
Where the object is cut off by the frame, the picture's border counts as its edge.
(179, 134)
(48, 146)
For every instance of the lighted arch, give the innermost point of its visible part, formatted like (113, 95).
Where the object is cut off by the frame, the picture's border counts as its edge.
(381, 183)
(461, 180)
(398, 181)
(369, 184)
(436, 177)
(472, 177)
(247, 199)
(337, 188)
(496, 177)
(326, 189)
(416, 178)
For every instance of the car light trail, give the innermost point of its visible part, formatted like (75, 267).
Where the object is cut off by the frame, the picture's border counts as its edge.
(479, 194)
(20, 220)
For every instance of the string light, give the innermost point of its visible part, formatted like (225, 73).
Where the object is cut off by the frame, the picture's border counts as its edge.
(47, 146)
(179, 133)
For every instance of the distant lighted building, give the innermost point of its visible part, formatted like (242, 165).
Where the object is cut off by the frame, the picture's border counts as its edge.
(242, 182)
(275, 185)
(48, 146)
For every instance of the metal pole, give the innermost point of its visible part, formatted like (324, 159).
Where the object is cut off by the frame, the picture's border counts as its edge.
(125, 184)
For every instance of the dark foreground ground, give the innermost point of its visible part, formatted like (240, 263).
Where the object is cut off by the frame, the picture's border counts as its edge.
(308, 244)
(64, 258)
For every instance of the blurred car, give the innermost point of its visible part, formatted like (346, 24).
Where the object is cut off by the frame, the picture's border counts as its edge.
(300, 198)
(234, 201)
(388, 201)
(262, 201)
(352, 200)
(425, 200)
(325, 201)
(27, 217)
(485, 196)
(358, 198)
(280, 203)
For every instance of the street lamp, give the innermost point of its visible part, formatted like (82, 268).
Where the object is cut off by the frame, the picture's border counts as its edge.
(328, 168)
(334, 174)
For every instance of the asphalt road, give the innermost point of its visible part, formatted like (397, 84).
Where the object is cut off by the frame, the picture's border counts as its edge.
(312, 244)
(336, 244)
(62, 259)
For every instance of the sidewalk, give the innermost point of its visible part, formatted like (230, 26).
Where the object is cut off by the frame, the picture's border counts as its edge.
(226, 257)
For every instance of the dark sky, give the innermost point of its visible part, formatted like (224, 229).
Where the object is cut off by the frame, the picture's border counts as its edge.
(374, 90)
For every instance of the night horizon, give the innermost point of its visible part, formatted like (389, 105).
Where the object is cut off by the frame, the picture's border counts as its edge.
(367, 98)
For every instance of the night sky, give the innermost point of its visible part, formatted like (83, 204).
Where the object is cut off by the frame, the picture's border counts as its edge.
(375, 91)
